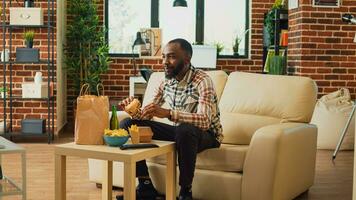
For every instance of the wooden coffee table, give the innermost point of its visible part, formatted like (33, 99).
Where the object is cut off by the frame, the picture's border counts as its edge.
(110, 154)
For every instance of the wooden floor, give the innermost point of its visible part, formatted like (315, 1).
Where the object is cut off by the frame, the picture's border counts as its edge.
(333, 180)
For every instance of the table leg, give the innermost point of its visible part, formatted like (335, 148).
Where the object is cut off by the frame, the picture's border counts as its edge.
(107, 181)
(171, 176)
(1, 175)
(129, 180)
(60, 177)
(23, 156)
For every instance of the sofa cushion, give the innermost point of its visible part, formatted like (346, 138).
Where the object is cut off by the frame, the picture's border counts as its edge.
(226, 158)
(288, 98)
(219, 79)
(239, 128)
(153, 83)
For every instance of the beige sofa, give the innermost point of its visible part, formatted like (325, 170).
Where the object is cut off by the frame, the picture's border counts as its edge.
(269, 148)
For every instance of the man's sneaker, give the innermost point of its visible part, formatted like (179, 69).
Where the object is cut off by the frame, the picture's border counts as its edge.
(181, 197)
(185, 193)
(143, 193)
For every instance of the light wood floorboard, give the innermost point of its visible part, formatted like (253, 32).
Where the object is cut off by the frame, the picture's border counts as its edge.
(333, 180)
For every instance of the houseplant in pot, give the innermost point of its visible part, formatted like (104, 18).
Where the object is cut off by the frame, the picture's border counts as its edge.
(237, 42)
(28, 54)
(269, 20)
(28, 36)
(86, 52)
(219, 47)
(3, 90)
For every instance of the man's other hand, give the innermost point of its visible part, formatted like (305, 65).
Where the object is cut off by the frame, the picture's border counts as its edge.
(153, 110)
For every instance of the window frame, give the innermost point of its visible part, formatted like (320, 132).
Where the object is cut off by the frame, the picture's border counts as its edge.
(199, 33)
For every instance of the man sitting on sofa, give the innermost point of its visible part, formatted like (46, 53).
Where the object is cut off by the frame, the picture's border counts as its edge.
(194, 110)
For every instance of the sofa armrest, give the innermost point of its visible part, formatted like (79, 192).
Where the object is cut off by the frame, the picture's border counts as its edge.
(280, 162)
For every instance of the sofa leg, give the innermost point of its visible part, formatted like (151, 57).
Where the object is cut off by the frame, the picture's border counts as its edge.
(99, 185)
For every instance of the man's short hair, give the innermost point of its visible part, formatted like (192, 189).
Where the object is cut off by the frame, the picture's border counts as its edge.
(184, 44)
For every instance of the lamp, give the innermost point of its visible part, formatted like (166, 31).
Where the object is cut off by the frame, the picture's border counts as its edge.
(138, 41)
(180, 3)
(151, 49)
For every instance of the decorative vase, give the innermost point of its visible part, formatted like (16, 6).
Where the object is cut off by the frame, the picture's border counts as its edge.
(5, 55)
(38, 78)
(29, 3)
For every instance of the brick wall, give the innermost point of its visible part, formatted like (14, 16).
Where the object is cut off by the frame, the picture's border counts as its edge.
(116, 81)
(321, 46)
(25, 72)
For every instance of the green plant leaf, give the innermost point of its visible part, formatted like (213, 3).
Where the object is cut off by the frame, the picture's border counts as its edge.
(87, 53)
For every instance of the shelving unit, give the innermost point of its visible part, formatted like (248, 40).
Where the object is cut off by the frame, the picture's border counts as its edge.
(280, 23)
(7, 29)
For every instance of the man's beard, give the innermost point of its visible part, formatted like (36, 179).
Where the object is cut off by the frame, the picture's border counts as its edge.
(175, 71)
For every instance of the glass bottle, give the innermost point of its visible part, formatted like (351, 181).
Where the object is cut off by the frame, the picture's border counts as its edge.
(114, 122)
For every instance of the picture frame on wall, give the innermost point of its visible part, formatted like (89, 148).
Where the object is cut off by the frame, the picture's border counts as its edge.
(153, 40)
(327, 3)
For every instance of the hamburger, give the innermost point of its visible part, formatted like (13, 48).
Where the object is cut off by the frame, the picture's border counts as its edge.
(133, 108)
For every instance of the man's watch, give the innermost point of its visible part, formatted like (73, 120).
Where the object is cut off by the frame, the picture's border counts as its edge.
(170, 114)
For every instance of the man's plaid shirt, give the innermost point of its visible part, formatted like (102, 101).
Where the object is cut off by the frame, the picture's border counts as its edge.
(192, 100)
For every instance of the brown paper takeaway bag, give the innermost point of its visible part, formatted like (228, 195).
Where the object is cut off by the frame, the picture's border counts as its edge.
(92, 117)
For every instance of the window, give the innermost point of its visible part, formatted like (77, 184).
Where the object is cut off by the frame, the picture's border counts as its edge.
(222, 24)
(209, 22)
(177, 21)
(124, 19)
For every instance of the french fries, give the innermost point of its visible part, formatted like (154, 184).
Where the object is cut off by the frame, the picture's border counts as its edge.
(133, 128)
(117, 132)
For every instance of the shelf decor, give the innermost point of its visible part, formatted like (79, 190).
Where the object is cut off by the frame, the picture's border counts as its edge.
(27, 54)
(26, 16)
(274, 52)
(34, 90)
(28, 36)
(29, 3)
(326, 3)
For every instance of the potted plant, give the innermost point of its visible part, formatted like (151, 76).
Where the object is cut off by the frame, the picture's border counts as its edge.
(28, 36)
(269, 20)
(86, 52)
(3, 90)
(219, 47)
(28, 54)
(237, 43)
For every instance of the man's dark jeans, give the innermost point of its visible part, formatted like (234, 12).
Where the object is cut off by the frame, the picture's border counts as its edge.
(189, 139)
